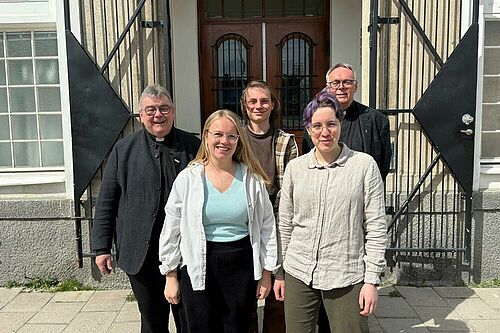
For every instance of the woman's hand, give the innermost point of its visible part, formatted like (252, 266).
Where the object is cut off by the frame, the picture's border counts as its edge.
(264, 285)
(172, 290)
(279, 289)
(368, 297)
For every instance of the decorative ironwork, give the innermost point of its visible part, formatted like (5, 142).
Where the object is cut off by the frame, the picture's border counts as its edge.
(296, 78)
(231, 71)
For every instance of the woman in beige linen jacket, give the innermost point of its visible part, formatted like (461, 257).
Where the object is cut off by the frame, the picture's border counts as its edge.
(332, 228)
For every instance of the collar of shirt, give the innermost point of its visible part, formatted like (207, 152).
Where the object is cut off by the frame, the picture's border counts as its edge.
(340, 161)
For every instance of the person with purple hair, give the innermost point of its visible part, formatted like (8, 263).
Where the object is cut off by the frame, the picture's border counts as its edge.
(332, 228)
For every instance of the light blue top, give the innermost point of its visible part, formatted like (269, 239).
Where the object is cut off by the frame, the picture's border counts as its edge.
(225, 216)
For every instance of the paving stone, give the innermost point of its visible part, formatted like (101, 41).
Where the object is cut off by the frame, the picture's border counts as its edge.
(392, 325)
(88, 322)
(108, 300)
(421, 296)
(128, 313)
(127, 327)
(488, 294)
(386, 291)
(441, 319)
(57, 313)
(474, 308)
(455, 292)
(72, 296)
(42, 328)
(7, 295)
(12, 321)
(393, 307)
(374, 325)
(28, 302)
(485, 326)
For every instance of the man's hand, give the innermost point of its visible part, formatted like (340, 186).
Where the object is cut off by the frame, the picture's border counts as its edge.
(172, 290)
(368, 297)
(104, 263)
(279, 289)
(264, 285)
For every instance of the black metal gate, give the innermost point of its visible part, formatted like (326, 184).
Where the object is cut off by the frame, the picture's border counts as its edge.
(423, 75)
(124, 46)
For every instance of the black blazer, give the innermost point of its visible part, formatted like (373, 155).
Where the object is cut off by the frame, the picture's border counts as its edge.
(376, 137)
(130, 195)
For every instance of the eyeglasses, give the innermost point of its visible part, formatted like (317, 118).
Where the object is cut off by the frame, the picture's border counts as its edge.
(231, 137)
(151, 110)
(337, 83)
(317, 128)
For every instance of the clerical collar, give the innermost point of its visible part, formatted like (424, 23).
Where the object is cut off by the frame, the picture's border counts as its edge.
(159, 139)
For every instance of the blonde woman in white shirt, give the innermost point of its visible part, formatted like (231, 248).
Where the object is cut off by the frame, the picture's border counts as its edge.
(218, 243)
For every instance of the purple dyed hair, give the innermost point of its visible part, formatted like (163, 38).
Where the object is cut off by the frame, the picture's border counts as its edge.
(323, 99)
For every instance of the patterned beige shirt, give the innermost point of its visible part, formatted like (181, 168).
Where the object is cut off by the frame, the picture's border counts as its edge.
(332, 227)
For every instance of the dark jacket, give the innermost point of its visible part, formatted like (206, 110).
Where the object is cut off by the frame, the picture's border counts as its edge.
(376, 137)
(130, 195)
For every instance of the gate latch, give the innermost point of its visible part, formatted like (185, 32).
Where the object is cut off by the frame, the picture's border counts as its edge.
(467, 119)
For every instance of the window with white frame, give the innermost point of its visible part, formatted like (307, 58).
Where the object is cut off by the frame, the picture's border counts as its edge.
(490, 138)
(30, 103)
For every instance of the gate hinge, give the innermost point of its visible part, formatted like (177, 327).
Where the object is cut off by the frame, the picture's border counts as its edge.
(388, 20)
(152, 24)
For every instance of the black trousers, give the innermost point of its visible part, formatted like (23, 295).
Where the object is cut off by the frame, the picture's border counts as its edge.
(225, 306)
(148, 286)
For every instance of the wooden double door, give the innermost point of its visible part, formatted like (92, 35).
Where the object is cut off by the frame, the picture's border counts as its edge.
(291, 54)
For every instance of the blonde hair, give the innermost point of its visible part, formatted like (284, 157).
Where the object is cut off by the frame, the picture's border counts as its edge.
(243, 153)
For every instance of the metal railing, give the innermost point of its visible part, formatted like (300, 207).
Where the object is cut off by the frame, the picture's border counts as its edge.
(411, 43)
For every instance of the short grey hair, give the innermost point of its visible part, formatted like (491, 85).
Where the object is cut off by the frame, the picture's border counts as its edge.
(340, 65)
(154, 90)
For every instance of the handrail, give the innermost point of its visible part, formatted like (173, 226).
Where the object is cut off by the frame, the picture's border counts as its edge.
(125, 31)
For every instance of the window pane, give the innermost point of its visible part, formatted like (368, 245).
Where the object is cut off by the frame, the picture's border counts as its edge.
(5, 155)
(26, 154)
(49, 99)
(1, 45)
(314, 8)
(491, 61)
(491, 93)
(50, 127)
(47, 71)
(22, 99)
(294, 8)
(491, 117)
(20, 72)
(45, 44)
(52, 154)
(3, 100)
(213, 8)
(4, 128)
(490, 147)
(274, 8)
(19, 44)
(232, 8)
(492, 33)
(253, 8)
(2, 72)
(24, 128)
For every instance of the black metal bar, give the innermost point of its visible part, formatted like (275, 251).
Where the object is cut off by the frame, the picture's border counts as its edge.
(78, 233)
(167, 46)
(67, 17)
(404, 206)
(475, 11)
(122, 35)
(426, 249)
(468, 225)
(420, 32)
(373, 53)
